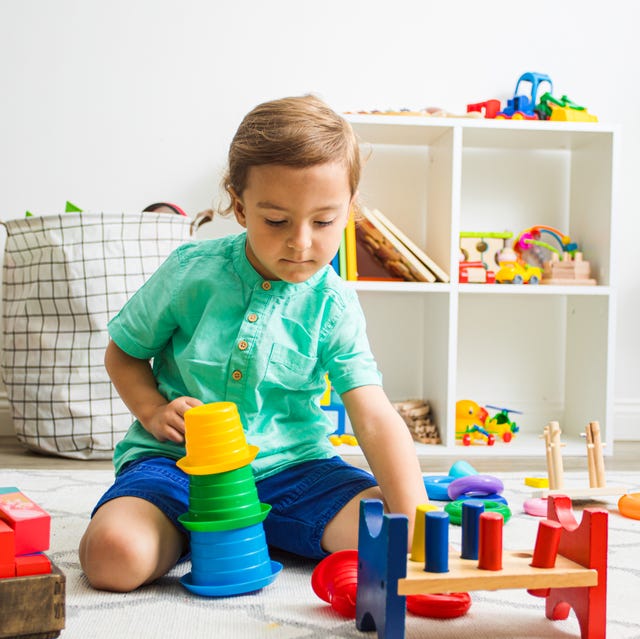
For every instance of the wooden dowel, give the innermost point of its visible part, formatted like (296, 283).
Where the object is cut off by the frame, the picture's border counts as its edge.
(547, 447)
(556, 456)
(594, 428)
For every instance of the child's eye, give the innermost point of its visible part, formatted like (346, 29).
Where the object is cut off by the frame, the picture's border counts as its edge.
(275, 223)
(324, 222)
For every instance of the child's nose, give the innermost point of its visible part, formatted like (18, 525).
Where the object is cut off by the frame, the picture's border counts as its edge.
(300, 239)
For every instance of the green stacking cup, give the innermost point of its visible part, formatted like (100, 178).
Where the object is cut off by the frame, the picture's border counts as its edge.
(223, 484)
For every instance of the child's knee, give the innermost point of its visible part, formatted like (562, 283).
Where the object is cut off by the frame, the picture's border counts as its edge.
(112, 559)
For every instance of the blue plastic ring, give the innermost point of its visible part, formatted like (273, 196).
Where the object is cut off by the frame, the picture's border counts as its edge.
(437, 486)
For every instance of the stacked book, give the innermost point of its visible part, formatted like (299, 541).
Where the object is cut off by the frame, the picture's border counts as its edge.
(373, 248)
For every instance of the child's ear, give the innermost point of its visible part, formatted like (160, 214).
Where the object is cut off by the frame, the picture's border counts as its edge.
(238, 208)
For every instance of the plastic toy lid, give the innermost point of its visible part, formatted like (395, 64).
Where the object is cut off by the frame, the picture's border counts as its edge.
(224, 524)
(232, 463)
(229, 590)
(324, 572)
(335, 580)
(445, 606)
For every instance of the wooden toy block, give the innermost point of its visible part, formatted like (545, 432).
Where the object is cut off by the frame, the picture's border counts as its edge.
(567, 270)
(7, 544)
(577, 579)
(32, 607)
(586, 544)
(37, 564)
(30, 523)
(382, 562)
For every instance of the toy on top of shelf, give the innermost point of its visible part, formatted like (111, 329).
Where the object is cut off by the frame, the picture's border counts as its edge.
(489, 108)
(562, 110)
(522, 107)
(501, 425)
(434, 112)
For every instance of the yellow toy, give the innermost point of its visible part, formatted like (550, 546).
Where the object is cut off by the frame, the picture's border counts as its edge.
(470, 419)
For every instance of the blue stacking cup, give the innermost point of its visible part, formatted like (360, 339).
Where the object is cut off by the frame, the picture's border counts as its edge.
(230, 557)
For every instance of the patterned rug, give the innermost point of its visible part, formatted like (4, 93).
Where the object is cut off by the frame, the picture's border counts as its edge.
(288, 608)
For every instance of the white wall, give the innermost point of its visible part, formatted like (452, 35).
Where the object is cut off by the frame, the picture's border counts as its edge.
(116, 104)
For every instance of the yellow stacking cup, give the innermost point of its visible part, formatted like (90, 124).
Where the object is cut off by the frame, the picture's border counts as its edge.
(214, 439)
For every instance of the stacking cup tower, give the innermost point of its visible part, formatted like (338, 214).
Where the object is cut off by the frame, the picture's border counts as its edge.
(229, 553)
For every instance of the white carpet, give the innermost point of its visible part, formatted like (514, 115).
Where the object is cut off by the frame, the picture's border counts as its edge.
(288, 608)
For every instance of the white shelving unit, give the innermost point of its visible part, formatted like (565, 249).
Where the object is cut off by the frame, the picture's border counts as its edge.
(544, 350)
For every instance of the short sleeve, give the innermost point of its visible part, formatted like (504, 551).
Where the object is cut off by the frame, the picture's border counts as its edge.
(146, 322)
(346, 352)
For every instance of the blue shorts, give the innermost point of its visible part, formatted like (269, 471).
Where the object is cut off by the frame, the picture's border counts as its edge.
(303, 498)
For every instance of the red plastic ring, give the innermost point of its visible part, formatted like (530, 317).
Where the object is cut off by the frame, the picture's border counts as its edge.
(439, 606)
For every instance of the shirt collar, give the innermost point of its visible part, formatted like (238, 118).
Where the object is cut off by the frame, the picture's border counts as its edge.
(253, 279)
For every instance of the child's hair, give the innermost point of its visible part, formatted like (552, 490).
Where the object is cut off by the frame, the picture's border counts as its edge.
(296, 132)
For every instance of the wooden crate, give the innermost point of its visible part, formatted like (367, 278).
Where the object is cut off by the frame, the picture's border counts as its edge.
(32, 607)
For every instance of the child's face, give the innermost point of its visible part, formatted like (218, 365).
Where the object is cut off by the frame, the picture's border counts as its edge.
(294, 218)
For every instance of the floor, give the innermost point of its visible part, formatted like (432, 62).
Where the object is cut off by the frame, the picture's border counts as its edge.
(626, 457)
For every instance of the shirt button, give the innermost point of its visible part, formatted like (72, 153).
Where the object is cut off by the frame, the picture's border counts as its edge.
(266, 286)
(237, 375)
(243, 345)
(252, 317)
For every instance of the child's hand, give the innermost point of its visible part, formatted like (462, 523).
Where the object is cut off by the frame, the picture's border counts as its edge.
(167, 421)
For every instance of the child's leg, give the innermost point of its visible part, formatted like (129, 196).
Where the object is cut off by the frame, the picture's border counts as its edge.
(128, 543)
(341, 533)
(315, 506)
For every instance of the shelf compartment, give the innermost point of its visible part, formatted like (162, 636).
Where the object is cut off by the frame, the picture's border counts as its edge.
(545, 356)
(410, 341)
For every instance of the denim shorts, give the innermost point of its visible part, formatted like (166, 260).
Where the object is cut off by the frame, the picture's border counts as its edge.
(304, 498)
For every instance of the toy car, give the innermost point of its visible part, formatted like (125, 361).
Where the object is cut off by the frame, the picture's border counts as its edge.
(523, 107)
(517, 273)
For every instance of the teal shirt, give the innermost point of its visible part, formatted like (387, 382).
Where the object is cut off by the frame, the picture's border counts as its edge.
(217, 331)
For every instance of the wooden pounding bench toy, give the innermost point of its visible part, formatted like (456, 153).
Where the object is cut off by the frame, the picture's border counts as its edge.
(568, 566)
(32, 590)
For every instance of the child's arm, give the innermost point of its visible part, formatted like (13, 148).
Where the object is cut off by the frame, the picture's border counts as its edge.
(389, 449)
(138, 389)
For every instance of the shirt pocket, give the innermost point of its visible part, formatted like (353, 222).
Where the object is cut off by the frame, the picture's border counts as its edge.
(289, 369)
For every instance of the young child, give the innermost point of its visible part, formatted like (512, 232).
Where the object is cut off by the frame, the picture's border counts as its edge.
(257, 319)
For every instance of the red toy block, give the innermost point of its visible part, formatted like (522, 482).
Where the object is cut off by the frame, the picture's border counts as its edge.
(7, 544)
(31, 524)
(586, 544)
(37, 564)
(7, 570)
